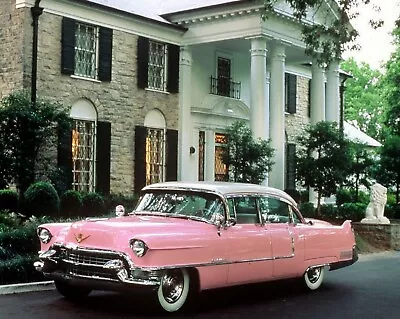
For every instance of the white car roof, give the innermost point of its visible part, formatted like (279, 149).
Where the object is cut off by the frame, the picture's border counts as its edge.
(223, 188)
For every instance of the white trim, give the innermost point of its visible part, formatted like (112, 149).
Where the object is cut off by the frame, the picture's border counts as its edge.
(114, 20)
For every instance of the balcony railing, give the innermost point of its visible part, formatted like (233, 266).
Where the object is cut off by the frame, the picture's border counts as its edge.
(225, 87)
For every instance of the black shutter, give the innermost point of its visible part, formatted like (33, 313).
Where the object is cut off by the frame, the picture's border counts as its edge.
(292, 92)
(68, 46)
(105, 53)
(173, 68)
(64, 156)
(140, 157)
(172, 155)
(291, 166)
(142, 62)
(309, 98)
(103, 157)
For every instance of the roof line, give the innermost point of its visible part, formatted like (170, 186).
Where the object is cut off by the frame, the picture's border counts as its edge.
(99, 5)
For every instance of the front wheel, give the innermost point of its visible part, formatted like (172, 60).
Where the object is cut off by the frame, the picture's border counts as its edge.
(71, 292)
(313, 277)
(174, 289)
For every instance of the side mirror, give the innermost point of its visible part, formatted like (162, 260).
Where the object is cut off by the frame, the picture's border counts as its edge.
(120, 211)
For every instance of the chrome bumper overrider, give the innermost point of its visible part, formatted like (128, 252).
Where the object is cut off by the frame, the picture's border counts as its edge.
(100, 267)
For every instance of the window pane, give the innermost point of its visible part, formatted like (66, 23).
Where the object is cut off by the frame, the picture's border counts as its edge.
(155, 156)
(85, 51)
(83, 156)
(157, 74)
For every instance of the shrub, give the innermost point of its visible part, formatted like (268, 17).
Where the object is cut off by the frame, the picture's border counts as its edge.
(19, 269)
(353, 211)
(307, 210)
(93, 204)
(71, 203)
(329, 211)
(343, 196)
(9, 220)
(41, 199)
(19, 241)
(8, 200)
(112, 200)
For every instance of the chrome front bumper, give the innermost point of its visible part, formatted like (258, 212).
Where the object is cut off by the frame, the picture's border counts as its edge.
(98, 269)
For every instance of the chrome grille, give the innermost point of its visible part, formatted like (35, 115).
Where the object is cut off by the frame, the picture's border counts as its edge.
(90, 263)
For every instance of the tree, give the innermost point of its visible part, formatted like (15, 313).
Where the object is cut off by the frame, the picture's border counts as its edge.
(24, 129)
(360, 168)
(249, 160)
(326, 42)
(389, 165)
(364, 106)
(392, 80)
(323, 159)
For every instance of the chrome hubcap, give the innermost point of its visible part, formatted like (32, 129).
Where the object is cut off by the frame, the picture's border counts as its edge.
(313, 274)
(172, 286)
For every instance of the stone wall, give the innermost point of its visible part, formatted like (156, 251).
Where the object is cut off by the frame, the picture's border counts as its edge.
(382, 236)
(119, 101)
(297, 122)
(14, 42)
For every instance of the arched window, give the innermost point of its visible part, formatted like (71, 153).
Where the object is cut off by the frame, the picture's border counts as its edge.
(155, 147)
(84, 117)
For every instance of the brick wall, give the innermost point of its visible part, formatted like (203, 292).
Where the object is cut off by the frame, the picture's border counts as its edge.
(119, 101)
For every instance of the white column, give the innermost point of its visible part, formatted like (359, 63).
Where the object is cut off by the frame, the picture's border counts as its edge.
(277, 115)
(185, 122)
(317, 105)
(259, 100)
(209, 160)
(317, 94)
(332, 93)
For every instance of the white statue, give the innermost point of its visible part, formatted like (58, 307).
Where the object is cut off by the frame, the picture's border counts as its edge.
(376, 206)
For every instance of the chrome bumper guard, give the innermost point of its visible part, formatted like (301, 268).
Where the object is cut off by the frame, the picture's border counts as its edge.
(93, 267)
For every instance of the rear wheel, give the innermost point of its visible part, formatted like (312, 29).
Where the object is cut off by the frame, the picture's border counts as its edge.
(313, 277)
(174, 289)
(71, 292)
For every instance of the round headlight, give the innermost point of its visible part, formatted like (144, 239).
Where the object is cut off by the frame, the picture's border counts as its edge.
(139, 247)
(44, 235)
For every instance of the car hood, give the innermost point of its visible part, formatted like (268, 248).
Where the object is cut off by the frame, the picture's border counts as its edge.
(155, 231)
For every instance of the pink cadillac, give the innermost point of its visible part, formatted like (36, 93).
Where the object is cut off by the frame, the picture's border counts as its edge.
(184, 238)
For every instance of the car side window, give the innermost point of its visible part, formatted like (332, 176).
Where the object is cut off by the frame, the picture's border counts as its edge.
(274, 210)
(245, 208)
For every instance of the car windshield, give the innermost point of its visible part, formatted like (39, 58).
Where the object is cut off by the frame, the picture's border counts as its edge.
(181, 204)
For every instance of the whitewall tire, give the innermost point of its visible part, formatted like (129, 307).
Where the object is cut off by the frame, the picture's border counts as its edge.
(314, 277)
(174, 289)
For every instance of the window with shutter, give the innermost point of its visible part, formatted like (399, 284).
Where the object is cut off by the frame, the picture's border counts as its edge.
(158, 66)
(290, 93)
(86, 50)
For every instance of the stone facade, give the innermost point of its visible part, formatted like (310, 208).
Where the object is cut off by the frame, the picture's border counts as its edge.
(296, 123)
(14, 41)
(119, 102)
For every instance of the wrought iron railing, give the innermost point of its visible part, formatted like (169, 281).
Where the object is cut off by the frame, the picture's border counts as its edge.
(225, 87)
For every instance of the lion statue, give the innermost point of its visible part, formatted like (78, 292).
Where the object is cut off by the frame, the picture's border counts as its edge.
(376, 207)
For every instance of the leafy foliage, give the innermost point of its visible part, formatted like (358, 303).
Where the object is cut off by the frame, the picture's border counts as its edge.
(71, 203)
(364, 106)
(323, 159)
(93, 204)
(249, 160)
(389, 165)
(361, 165)
(8, 200)
(327, 41)
(41, 199)
(24, 129)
